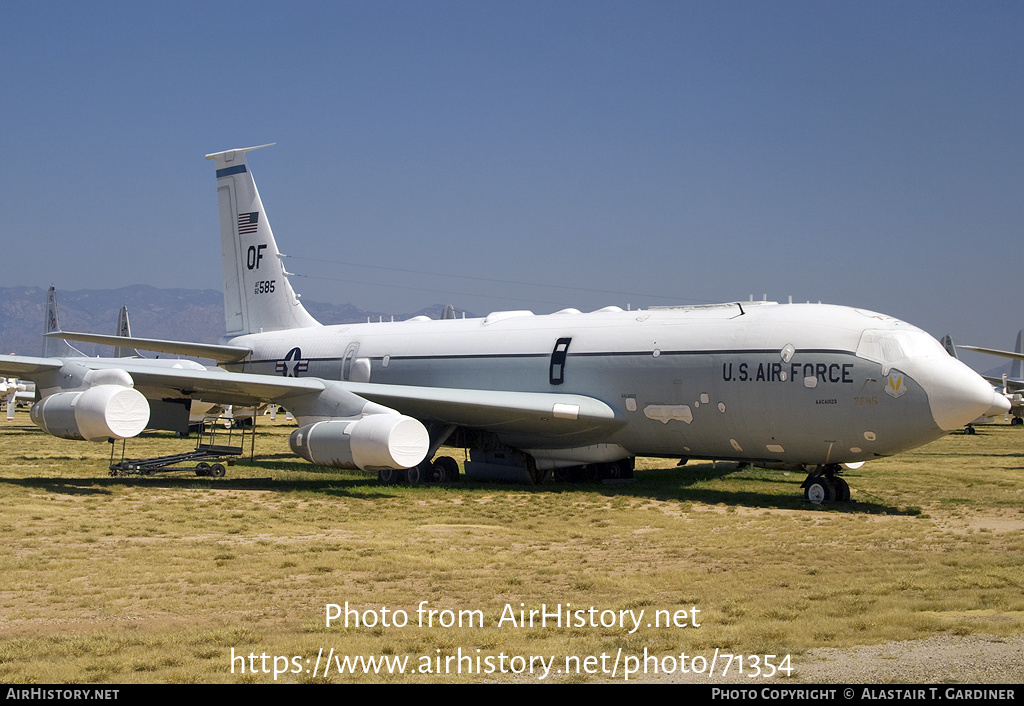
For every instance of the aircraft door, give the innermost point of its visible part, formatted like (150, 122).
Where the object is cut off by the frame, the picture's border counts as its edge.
(346, 361)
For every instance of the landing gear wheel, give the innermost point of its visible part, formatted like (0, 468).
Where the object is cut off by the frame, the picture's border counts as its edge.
(536, 476)
(842, 489)
(616, 470)
(417, 475)
(1016, 422)
(625, 467)
(217, 470)
(446, 470)
(819, 491)
(389, 476)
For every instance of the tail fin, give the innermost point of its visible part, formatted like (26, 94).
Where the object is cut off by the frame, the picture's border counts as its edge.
(55, 347)
(124, 330)
(257, 294)
(947, 343)
(1017, 366)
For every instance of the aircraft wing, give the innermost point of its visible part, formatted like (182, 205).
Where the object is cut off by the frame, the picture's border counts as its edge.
(520, 413)
(495, 410)
(993, 351)
(220, 353)
(218, 386)
(161, 378)
(1011, 385)
(524, 413)
(18, 365)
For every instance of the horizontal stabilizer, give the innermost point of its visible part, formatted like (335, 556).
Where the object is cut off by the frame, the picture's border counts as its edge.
(219, 353)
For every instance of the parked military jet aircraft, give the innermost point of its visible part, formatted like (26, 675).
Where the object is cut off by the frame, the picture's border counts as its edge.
(12, 390)
(811, 386)
(1012, 384)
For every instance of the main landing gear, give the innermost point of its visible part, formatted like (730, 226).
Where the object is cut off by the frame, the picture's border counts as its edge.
(823, 485)
(443, 469)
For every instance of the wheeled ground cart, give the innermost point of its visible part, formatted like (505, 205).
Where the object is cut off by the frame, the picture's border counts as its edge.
(216, 448)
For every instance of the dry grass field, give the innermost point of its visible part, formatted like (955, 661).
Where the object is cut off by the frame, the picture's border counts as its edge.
(175, 578)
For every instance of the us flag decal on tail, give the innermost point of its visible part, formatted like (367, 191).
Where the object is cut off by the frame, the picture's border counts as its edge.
(248, 222)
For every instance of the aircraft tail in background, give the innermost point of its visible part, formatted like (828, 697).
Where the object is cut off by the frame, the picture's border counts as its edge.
(55, 347)
(124, 330)
(1017, 365)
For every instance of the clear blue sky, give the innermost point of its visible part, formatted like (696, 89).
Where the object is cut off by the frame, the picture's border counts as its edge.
(862, 153)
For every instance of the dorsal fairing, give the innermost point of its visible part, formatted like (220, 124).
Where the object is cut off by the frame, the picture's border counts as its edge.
(257, 294)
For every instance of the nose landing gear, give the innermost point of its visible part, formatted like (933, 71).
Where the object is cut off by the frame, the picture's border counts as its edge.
(823, 485)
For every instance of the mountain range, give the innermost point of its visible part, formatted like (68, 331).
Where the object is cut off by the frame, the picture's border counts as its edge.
(175, 314)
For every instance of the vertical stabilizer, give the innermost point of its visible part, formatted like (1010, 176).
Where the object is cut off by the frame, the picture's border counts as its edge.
(1017, 366)
(54, 347)
(124, 330)
(947, 343)
(257, 294)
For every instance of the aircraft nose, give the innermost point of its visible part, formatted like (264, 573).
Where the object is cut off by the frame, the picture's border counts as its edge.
(956, 394)
(1000, 405)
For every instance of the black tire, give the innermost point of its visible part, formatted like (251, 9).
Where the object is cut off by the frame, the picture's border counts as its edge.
(217, 470)
(842, 489)
(389, 476)
(416, 475)
(446, 469)
(819, 491)
(622, 468)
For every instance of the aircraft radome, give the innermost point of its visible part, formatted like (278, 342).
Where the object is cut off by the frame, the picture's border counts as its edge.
(806, 386)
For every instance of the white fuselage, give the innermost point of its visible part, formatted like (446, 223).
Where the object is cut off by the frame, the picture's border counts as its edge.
(793, 384)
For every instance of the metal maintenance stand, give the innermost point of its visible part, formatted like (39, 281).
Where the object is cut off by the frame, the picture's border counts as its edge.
(215, 443)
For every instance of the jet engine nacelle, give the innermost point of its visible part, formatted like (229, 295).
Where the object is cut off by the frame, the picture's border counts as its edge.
(102, 412)
(372, 443)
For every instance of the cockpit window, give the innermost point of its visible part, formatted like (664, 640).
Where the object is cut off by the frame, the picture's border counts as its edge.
(888, 346)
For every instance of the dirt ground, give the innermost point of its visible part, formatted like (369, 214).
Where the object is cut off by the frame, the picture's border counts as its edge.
(946, 659)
